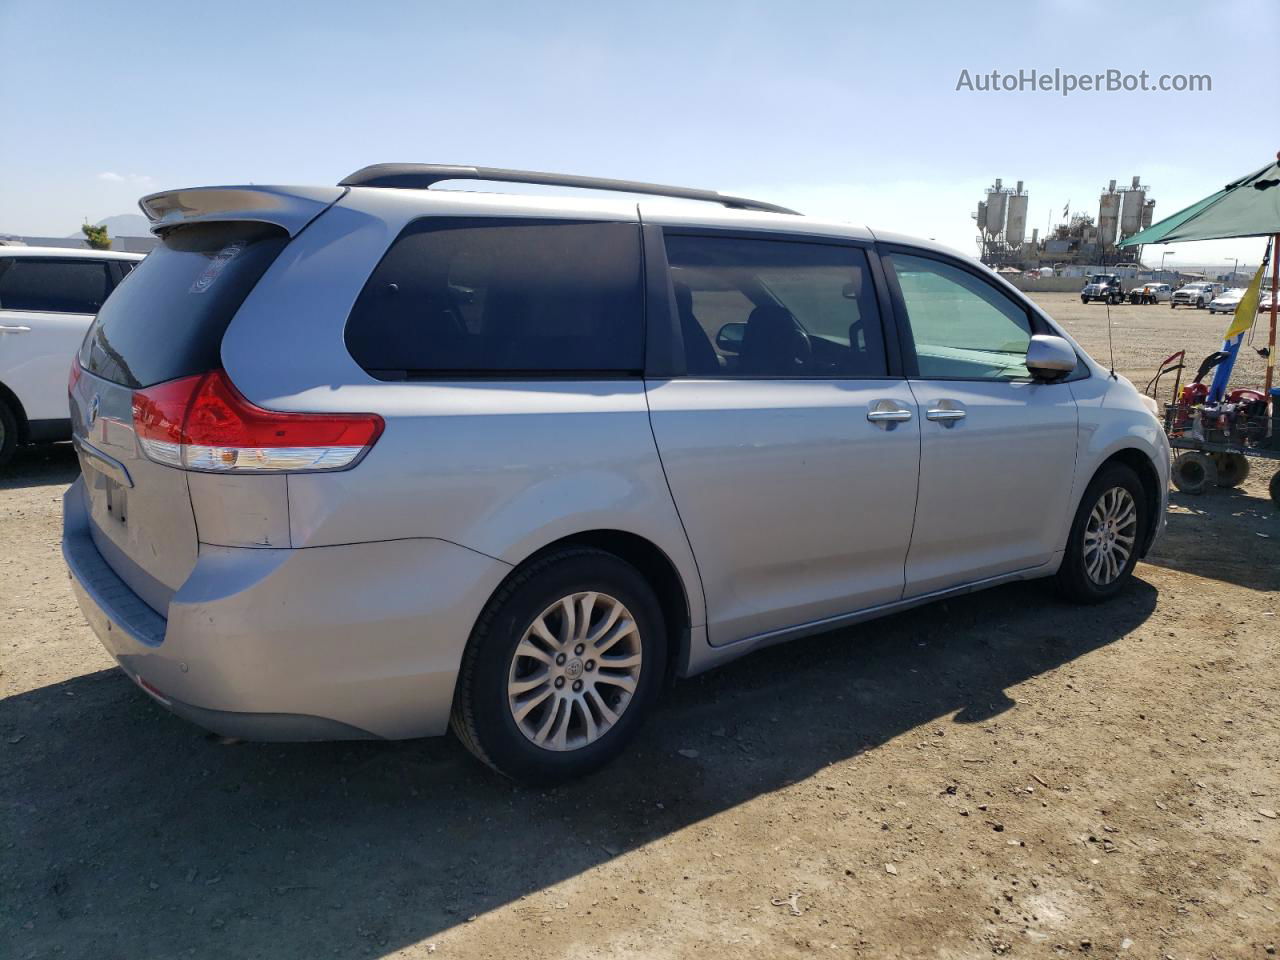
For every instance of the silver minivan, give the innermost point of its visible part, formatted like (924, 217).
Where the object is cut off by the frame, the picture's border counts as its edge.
(377, 460)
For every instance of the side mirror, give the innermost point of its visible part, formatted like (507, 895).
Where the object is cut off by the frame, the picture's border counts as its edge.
(729, 338)
(1050, 358)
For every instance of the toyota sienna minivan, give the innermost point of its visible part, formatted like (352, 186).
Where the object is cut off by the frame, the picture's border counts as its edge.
(377, 460)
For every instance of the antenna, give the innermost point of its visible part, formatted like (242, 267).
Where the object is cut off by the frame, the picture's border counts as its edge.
(1110, 343)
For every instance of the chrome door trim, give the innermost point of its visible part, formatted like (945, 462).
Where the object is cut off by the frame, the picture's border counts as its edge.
(102, 463)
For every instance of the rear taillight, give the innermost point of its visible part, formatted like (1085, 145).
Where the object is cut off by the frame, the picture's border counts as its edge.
(74, 376)
(203, 423)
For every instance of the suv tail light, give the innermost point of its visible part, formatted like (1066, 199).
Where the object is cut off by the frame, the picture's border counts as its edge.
(203, 423)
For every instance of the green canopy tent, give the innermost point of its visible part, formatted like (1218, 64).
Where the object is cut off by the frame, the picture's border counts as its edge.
(1247, 207)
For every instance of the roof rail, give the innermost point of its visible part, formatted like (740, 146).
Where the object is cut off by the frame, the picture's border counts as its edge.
(421, 176)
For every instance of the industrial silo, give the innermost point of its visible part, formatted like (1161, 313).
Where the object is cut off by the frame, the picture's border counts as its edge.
(981, 216)
(1131, 212)
(1108, 216)
(995, 210)
(1148, 213)
(1016, 225)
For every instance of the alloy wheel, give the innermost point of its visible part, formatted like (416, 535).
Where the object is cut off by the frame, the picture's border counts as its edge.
(575, 671)
(1110, 535)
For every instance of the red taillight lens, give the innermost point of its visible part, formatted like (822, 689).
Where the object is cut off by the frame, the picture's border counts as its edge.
(74, 376)
(203, 423)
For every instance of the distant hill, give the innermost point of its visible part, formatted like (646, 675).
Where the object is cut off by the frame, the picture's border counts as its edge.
(123, 225)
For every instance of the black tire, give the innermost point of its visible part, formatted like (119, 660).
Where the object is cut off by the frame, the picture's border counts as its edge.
(8, 433)
(1274, 489)
(1073, 579)
(1084, 299)
(1194, 472)
(482, 718)
(1233, 469)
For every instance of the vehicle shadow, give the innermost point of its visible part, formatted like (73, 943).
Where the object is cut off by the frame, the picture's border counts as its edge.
(40, 465)
(1215, 535)
(120, 817)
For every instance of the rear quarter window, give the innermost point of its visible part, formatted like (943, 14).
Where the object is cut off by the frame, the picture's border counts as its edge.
(166, 318)
(503, 297)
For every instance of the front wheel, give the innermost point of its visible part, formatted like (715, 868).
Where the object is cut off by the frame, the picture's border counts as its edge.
(1194, 472)
(1084, 299)
(1106, 534)
(561, 668)
(8, 433)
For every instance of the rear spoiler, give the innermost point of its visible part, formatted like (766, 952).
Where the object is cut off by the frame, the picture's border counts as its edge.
(290, 208)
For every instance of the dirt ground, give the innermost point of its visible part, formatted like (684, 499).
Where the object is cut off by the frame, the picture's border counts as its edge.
(1001, 774)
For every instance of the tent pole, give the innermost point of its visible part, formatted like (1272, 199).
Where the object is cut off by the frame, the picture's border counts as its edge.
(1275, 297)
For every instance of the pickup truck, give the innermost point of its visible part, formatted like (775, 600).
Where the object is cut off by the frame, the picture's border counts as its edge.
(1198, 295)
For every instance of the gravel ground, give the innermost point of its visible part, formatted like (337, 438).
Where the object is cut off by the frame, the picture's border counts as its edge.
(1000, 774)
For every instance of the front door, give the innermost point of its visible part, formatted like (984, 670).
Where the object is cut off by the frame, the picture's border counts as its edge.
(997, 448)
(790, 451)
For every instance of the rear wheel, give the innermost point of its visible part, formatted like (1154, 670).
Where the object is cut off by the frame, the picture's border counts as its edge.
(1233, 469)
(8, 433)
(563, 665)
(1274, 488)
(1194, 472)
(1105, 537)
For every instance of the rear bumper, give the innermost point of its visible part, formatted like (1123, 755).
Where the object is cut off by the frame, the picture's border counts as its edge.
(342, 642)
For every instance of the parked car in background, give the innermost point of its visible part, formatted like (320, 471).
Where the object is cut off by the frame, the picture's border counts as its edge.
(363, 462)
(48, 296)
(1103, 286)
(1150, 293)
(1227, 301)
(1198, 295)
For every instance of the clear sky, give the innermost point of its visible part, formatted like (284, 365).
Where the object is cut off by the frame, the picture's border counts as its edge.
(841, 109)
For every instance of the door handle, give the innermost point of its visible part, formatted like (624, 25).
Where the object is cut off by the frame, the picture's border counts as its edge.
(888, 412)
(945, 414)
(888, 416)
(12, 328)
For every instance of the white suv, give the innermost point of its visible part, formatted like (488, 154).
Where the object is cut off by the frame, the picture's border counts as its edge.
(48, 296)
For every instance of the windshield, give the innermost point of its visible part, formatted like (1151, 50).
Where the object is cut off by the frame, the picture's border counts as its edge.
(1101, 278)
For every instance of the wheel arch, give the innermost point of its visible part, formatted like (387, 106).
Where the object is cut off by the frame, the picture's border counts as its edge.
(654, 565)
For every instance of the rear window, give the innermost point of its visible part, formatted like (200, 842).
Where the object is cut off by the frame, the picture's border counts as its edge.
(53, 285)
(166, 318)
(502, 297)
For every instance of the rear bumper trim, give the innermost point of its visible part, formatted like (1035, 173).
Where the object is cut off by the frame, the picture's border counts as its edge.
(107, 602)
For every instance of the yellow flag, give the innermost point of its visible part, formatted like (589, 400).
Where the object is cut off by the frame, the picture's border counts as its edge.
(1246, 308)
